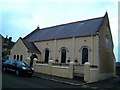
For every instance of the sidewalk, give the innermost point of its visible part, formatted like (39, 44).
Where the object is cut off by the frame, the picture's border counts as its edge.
(112, 83)
(75, 81)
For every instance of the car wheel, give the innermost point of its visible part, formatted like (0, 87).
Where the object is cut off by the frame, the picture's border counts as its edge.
(17, 72)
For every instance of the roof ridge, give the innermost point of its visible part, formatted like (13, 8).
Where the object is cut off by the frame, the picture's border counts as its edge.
(71, 23)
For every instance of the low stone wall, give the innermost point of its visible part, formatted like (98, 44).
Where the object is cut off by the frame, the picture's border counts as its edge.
(42, 68)
(61, 71)
(94, 74)
(90, 73)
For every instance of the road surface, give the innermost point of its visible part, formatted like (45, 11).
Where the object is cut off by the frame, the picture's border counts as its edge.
(10, 80)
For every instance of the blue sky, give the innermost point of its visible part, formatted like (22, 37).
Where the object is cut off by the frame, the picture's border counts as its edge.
(20, 17)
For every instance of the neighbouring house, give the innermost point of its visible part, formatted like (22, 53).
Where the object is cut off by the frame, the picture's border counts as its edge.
(82, 48)
(118, 68)
(6, 45)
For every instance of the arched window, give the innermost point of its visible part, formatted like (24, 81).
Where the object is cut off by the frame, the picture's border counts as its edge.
(63, 55)
(17, 57)
(14, 57)
(107, 42)
(46, 56)
(84, 55)
(21, 57)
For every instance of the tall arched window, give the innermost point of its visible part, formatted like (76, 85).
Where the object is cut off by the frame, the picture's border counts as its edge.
(84, 55)
(17, 57)
(63, 55)
(107, 42)
(14, 57)
(46, 56)
(21, 57)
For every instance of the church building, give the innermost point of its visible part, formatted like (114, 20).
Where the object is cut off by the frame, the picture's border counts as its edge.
(82, 48)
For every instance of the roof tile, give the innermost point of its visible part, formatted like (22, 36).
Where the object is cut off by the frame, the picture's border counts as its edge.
(74, 29)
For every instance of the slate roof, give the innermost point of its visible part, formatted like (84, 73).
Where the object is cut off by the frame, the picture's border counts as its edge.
(74, 29)
(30, 46)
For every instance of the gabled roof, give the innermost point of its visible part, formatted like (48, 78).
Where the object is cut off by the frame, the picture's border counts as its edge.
(30, 46)
(74, 29)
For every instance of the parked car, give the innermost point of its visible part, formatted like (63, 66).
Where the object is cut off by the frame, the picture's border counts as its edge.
(17, 66)
(4, 59)
(118, 68)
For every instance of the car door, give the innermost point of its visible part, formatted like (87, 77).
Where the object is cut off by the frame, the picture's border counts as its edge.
(9, 65)
(13, 65)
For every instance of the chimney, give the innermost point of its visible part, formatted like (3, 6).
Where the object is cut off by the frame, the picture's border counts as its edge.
(10, 38)
(6, 36)
(38, 27)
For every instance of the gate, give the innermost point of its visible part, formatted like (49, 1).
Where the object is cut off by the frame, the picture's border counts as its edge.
(78, 70)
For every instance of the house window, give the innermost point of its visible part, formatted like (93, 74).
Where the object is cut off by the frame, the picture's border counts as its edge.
(46, 56)
(14, 57)
(107, 42)
(21, 57)
(17, 57)
(63, 55)
(84, 55)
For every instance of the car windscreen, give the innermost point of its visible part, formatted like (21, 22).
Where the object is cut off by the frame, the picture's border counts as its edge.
(9, 62)
(21, 63)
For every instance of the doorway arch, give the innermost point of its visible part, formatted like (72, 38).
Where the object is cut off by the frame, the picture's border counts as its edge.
(32, 58)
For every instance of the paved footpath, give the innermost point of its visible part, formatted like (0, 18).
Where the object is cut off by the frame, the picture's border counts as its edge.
(113, 83)
(76, 81)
